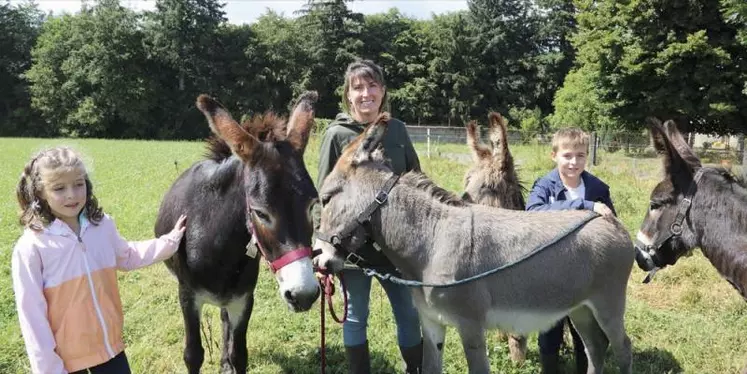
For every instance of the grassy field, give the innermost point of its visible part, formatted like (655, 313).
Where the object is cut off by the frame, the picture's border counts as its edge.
(687, 321)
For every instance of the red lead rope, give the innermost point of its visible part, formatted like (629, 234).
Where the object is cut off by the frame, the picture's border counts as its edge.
(327, 284)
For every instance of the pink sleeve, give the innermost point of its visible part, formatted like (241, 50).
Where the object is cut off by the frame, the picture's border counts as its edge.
(135, 255)
(28, 286)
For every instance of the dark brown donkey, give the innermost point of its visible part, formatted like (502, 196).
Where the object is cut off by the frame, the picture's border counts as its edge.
(252, 186)
(492, 181)
(694, 206)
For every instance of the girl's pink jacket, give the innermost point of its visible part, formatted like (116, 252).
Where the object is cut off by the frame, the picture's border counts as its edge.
(67, 295)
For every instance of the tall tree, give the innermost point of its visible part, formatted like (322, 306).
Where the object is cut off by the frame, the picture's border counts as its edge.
(279, 44)
(87, 73)
(506, 33)
(667, 58)
(19, 28)
(453, 67)
(180, 39)
(554, 55)
(333, 41)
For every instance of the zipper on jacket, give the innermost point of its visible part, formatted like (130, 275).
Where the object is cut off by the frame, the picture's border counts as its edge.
(96, 300)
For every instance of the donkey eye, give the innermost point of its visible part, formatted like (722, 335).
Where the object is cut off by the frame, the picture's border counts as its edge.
(325, 199)
(262, 215)
(654, 206)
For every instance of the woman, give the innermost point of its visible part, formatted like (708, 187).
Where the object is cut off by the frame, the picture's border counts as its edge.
(364, 96)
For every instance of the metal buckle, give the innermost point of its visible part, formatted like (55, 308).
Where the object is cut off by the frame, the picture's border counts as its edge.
(357, 260)
(676, 228)
(381, 197)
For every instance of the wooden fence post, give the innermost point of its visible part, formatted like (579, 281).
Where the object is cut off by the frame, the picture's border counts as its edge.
(428, 142)
(594, 144)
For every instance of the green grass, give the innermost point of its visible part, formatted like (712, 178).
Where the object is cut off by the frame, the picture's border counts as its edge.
(689, 320)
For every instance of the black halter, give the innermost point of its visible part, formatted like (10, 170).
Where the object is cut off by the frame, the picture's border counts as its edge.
(363, 220)
(645, 253)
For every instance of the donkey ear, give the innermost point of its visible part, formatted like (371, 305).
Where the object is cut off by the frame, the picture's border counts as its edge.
(302, 120)
(371, 140)
(680, 145)
(479, 151)
(674, 164)
(659, 137)
(499, 139)
(224, 126)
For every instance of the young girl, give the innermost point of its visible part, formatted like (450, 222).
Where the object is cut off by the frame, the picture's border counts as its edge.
(64, 269)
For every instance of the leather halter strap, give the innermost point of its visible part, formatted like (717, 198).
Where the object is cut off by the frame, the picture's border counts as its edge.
(361, 220)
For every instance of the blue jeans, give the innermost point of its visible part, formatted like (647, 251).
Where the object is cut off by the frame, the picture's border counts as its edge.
(359, 294)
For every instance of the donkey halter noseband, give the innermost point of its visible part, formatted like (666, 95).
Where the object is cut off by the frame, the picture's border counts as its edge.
(363, 220)
(675, 229)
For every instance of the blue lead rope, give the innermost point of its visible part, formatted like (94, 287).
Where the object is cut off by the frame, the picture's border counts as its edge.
(413, 283)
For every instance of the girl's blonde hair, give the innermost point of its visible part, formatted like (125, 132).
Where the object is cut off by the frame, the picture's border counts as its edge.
(35, 211)
(366, 69)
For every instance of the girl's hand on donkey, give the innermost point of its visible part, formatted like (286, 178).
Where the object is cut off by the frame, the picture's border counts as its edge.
(179, 227)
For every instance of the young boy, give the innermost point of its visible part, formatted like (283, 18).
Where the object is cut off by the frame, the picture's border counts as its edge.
(568, 186)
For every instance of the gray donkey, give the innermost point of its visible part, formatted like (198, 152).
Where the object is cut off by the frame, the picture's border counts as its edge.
(434, 237)
(493, 181)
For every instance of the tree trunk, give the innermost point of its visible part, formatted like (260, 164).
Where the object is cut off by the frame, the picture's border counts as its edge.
(740, 149)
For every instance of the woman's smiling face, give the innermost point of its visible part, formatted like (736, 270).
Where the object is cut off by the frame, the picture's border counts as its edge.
(365, 97)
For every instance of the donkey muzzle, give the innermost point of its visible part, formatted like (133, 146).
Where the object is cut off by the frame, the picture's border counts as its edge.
(645, 261)
(643, 257)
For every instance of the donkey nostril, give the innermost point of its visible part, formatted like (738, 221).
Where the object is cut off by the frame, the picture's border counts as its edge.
(289, 296)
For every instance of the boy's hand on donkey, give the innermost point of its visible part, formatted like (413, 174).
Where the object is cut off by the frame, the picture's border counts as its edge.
(603, 210)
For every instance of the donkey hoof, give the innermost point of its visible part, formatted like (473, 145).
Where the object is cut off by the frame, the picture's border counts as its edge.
(226, 368)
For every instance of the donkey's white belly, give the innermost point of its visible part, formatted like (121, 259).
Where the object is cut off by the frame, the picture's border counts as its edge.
(517, 321)
(235, 307)
(522, 321)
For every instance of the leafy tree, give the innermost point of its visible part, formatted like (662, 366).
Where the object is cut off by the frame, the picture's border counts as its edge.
(453, 68)
(666, 58)
(182, 39)
(278, 42)
(19, 28)
(332, 42)
(506, 30)
(554, 55)
(87, 74)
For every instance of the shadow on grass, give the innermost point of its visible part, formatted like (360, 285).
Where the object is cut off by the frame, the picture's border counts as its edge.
(647, 361)
(655, 361)
(335, 362)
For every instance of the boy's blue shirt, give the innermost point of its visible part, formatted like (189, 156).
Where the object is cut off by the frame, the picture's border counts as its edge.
(549, 193)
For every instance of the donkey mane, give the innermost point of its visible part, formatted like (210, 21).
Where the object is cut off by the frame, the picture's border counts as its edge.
(738, 176)
(425, 184)
(268, 127)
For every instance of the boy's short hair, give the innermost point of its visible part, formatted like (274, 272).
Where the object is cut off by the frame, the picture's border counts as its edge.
(569, 137)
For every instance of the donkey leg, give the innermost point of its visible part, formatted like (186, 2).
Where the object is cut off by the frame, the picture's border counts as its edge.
(473, 342)
(235, 317)
(225, 362)
(613, 326)
(194, 354)
(594, 338)
(517, 347)
(433, 344)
